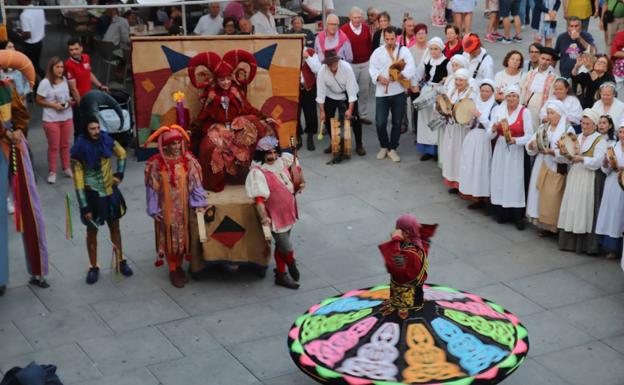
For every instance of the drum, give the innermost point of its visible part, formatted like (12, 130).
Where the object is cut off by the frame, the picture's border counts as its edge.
(541, 138)
(569, 145)
(612, 158)
(443, 105)
(462, 111)
(426, 99)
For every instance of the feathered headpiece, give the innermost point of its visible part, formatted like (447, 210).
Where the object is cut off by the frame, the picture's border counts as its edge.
(168, 134)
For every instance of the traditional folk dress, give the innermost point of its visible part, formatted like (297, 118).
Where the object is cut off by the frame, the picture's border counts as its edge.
(547, 182)
(610, 222)
(453, 138)
(15, 161)
(615, 110)
(429, 73)
(536, 89)
(510, 163)
(93, 178)
(173, 187)
(579, 206)
(476, 153)
(573, 109)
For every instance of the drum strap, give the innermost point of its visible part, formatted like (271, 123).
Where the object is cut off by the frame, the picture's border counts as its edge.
(590, 151)
(476, 71)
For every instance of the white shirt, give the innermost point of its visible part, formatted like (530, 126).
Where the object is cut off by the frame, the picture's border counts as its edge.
(66, 12)
(263, 25)
(58, 93)
(502, 79)
(486, 70)
(537, 86)
(380, 63)
(33, 21)
(318, 4)
(357, 30)
(616, 111)
(118, 32)
(208, 26)
(335, 86)
(314, 63)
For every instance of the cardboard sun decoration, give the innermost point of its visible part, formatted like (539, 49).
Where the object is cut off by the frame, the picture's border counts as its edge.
(159, 66)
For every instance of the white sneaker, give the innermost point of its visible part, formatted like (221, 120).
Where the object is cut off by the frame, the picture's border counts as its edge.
(382, 153)
(52, 178)
(10, 207)
(394, 156)
(68, 173)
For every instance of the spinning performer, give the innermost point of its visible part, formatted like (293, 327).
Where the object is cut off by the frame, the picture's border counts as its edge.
(407, 332)
(270, 183)
(173, 186)
(98, 195)
(16, 166)
(228, 126)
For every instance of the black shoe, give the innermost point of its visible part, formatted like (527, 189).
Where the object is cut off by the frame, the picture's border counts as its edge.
(360, 150)
(426, 157)
(327, 150)
(125, 269)
(281, 279)
(39, 282)
(310, 142)
(476, 205)
(520, 224)
(453, 191)
(2, 290)
(93, 275)
(294, 271)
(435, 158)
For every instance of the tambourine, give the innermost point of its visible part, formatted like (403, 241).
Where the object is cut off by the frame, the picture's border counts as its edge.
(443, 105)
(506, 131)
(612, 158)
(541, 138)
(462, 111)
(570, 142)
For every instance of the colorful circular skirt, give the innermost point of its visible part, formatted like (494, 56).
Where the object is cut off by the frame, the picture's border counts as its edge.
(457, 338)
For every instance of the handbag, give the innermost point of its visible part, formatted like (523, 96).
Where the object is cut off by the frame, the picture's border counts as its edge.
(609, 15)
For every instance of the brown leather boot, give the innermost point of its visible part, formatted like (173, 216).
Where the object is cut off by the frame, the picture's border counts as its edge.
(176, 279)
(281, 279)
(182, 274)
(360, 150)
(293, 270)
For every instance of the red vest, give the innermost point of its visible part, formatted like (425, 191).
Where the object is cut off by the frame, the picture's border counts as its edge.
(517, 127)
(309, 79)
(361, 45)
(281, 205)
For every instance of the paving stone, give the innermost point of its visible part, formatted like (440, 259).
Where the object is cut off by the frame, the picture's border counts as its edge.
(12, 341)
(593, 363)
(458, 275)
(216, 367)
(73, 365)
(534, 374)
(340, 210)
(133, 312)
(188, 336)
(130, 350)
(140, 376)
(293, 305)
(371, 281)
(346, 265)
(74, 292)
(252, 355)
(294, 378)
(509, 299)
(603, 274)
(63, 327)
(18, 303)
(616, 343)
(549, 333)
(555, 288)
(583, 316)
(245, 323)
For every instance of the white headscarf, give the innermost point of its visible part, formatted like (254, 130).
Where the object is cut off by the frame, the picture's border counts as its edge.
(462, 73)
(485, 106)
(592, 115)
(511, 89)
(560, 109)
(461, 60)
(556, 105)
(436, 41)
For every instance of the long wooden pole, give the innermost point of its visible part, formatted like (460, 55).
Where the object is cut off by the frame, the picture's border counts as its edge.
(3, 27)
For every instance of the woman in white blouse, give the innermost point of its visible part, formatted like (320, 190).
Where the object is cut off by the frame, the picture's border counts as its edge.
(562, 91)
(579, 206)
(608, 104)
(512, 74)
(510, 164)
(548, 176)
(610, 222)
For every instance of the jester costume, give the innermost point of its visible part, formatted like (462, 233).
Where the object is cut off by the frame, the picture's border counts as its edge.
(408, 332)
(98, 195)
(15, 165)
(173, 187)
(228, 126)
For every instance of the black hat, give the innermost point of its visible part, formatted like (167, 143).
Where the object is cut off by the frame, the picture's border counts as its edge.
(331, 56)
(549, 51)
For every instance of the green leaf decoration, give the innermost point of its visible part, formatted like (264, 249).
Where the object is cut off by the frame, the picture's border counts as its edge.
(522, 332)
(509, 361)
(326, 373)
(327, 301)
(300, 319)
(380, 287)
(496, 307)
(297, 347)
(463, 381)
(444, 288)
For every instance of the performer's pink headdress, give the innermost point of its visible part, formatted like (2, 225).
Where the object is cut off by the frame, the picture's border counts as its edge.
(415, 233)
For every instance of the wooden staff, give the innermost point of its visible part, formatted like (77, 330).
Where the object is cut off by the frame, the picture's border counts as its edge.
(348, 147)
